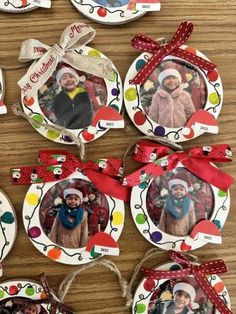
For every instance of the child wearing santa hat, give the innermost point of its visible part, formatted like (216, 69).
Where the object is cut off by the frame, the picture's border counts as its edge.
(178, 215)
(183, 296)
(70, 227)
(171, 106)
(72, 106)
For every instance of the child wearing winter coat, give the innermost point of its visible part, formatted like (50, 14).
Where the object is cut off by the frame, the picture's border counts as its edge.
(171, 106)
(183, 295)
(70, 227)
(178, 215)
(72, 106)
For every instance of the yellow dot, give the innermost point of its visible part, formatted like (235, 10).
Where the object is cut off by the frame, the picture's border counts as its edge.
(52, 135)
(94, 53)
(118, 218)
(214, 99)
(130, 94)
(32, 199)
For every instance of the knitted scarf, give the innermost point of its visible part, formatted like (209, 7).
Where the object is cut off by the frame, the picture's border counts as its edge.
(65, 213)
(172, 203)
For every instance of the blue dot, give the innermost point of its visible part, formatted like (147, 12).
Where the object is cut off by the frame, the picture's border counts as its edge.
(115, 107)
(143, 185)
(217, 223)
(175, 267)
(159, 130)
(140, 64)
(156, 236)
(115, 92)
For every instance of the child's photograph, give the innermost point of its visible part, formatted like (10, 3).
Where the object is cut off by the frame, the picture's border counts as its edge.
(72, 211)
(19, 306)
(182, 296)
(173, 93)
(178, 200)
(70, 98)
(112, 3)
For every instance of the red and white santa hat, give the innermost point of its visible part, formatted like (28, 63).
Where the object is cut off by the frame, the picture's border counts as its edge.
(72, 191)
(186, 287)
(71, 71)
(180, 179)
(169, 72)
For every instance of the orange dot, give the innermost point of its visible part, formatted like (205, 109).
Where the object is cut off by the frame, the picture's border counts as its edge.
(219, 287)
(191, 50)
(28, 102)
(43, 296)
(54, 253)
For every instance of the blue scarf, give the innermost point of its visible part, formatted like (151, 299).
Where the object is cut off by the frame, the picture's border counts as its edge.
(65, 213)
(172, 203)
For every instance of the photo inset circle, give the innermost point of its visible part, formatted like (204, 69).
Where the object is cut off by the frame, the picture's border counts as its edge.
(19, 305)
(72, 212)
(173, 93)
(182, 295)
(178, 200)
(112, 3)
(71, 98)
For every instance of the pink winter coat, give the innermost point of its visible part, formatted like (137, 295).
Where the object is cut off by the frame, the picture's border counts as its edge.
(171, 110)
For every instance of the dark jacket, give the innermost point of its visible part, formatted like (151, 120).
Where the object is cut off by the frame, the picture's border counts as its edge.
(73, 113)
(167, 308)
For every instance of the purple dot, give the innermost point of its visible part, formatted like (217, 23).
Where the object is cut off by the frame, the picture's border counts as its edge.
(160, 131)
(34, 232)
(115, 92)
(156, 236)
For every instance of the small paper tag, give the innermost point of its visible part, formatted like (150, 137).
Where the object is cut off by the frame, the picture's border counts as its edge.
(144, 5)
(209, 238)
(206, 128)
(3, 108)
(106, 250)
(41, 3)
(112, 124)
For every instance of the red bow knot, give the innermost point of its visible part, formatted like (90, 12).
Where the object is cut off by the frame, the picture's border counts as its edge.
(159, 52)
(198, 271)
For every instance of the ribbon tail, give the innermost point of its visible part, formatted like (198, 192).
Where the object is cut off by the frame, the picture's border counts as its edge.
(108, 185)
(182, 34)
(212, 294)
(93, 65)
(144, 43)
(32, 49)
(208, 173)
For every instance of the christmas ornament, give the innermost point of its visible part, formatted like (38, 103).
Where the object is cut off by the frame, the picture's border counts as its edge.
(173, 90)
(71, 86)
(20, 6)
(164, 287)
(74, 211)
(180, 200)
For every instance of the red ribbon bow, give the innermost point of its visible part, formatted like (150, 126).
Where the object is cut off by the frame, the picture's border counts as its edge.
(159, 52)
(50, 299)
(198, 271)
(197, 160)
(58, 164)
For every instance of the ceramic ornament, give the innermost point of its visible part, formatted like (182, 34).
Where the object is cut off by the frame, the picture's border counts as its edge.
(71, 86)
(73, 212)
(8, 226)
(21, 6)
(28, 296)
(171, 89)
(180, 200)
(164, 288)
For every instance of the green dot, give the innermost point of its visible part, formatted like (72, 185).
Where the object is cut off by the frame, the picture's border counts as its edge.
(94, 254)
(29, 291)
(140, 219)
(113, 76)
(140, 308)
(214, 99)
(222, 193)
(52, 135)
(37, 118)
(130, 94)
(1, 294)
(115, 107)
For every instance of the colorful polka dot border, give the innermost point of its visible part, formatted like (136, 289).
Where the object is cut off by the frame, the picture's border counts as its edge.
(146, 125)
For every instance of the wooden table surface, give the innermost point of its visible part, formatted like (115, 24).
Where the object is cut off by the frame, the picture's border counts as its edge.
(97, 291)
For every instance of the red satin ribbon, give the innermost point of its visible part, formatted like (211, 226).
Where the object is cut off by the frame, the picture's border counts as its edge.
(144, 43)
(198, 271)
(58, 165)
(197, 160)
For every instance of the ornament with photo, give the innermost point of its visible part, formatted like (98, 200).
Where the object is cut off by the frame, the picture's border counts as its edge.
(16, 6)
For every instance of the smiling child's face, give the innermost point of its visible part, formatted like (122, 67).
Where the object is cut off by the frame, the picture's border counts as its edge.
(178, 191)
(73, 201)
(31, 309)
(68, 82)
(171, 82)
(181, 299)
